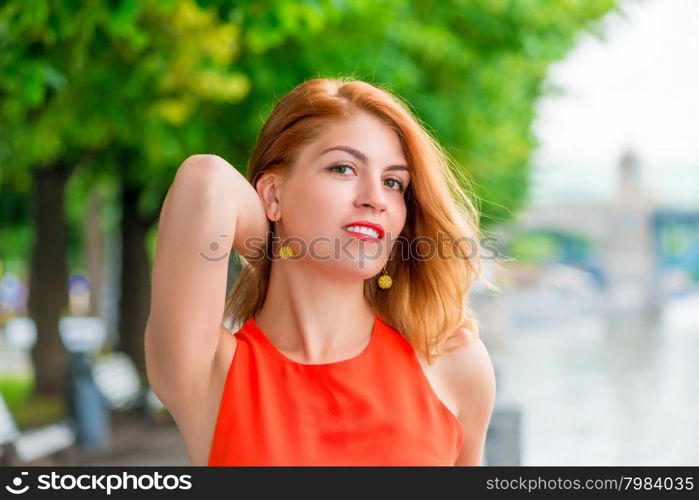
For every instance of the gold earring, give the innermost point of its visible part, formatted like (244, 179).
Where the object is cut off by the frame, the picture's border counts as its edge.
(286, 252)
(385, 281)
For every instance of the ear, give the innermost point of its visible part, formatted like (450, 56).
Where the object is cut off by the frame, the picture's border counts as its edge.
(269, 190)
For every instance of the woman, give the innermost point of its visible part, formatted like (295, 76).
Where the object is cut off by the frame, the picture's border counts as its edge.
(354, 342)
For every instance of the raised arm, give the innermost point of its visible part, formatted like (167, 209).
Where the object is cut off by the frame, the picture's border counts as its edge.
(209, 208)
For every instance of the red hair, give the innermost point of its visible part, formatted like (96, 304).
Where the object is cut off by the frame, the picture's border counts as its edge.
(427, 303)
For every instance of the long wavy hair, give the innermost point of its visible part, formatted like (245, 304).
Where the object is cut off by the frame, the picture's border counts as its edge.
(428, 302)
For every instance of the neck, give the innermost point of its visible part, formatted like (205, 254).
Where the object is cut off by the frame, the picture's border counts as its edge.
(314, 316)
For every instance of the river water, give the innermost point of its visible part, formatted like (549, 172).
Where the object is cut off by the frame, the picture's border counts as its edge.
(594, 391)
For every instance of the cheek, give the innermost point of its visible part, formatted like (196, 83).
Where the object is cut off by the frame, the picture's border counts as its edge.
(316, 209)
(324, 198)
(399, 212)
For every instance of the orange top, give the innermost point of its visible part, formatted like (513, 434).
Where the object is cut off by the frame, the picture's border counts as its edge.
(377, 408)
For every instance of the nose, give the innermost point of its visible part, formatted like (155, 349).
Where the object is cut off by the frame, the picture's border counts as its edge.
(372, 193)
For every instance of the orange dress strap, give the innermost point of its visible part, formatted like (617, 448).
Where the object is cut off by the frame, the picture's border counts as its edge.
(377, 408)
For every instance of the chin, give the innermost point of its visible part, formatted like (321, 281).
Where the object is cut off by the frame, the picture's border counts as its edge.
(354, 270)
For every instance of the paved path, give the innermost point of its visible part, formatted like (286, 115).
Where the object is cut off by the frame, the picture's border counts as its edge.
(135, 442)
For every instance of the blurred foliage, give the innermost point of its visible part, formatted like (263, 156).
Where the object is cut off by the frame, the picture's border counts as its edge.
(16, 231)
(127, 89)
(472, 70)
(29, 412)
(15, 387)
(109, 86)
(79, 78)
(530, 248)
(38, 411)
(78, 190)
(550, 246)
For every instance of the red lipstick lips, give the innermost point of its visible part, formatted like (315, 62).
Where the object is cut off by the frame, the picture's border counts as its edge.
(365, 223)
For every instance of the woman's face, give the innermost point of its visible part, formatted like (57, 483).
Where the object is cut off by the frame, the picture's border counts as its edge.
(355, 171)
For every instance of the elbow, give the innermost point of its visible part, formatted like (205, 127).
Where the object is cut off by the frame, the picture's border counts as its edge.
(203, 164)
(202, 159)
(207, 173)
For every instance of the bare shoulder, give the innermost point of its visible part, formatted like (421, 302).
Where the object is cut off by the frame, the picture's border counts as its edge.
(469, 376)
(468, 369)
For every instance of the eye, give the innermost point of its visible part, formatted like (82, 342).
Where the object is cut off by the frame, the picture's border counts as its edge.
(401, 186)
(340, 165)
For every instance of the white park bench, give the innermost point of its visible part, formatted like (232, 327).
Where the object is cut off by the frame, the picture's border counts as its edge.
(114, 374)
(23, 447)
(116, 377)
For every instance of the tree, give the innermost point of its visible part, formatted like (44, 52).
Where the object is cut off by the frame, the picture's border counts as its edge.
(127, 90)
(103, 85)
(472, 70)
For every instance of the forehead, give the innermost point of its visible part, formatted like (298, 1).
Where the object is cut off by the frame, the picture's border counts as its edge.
(364, 133)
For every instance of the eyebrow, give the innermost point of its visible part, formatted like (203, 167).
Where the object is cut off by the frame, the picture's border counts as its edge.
(361, 156)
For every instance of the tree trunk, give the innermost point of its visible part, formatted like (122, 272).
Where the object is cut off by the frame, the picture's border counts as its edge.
(93, 244)
(134, 303)
(48, 294)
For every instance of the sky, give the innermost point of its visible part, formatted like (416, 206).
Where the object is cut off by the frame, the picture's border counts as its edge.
(638, 88)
